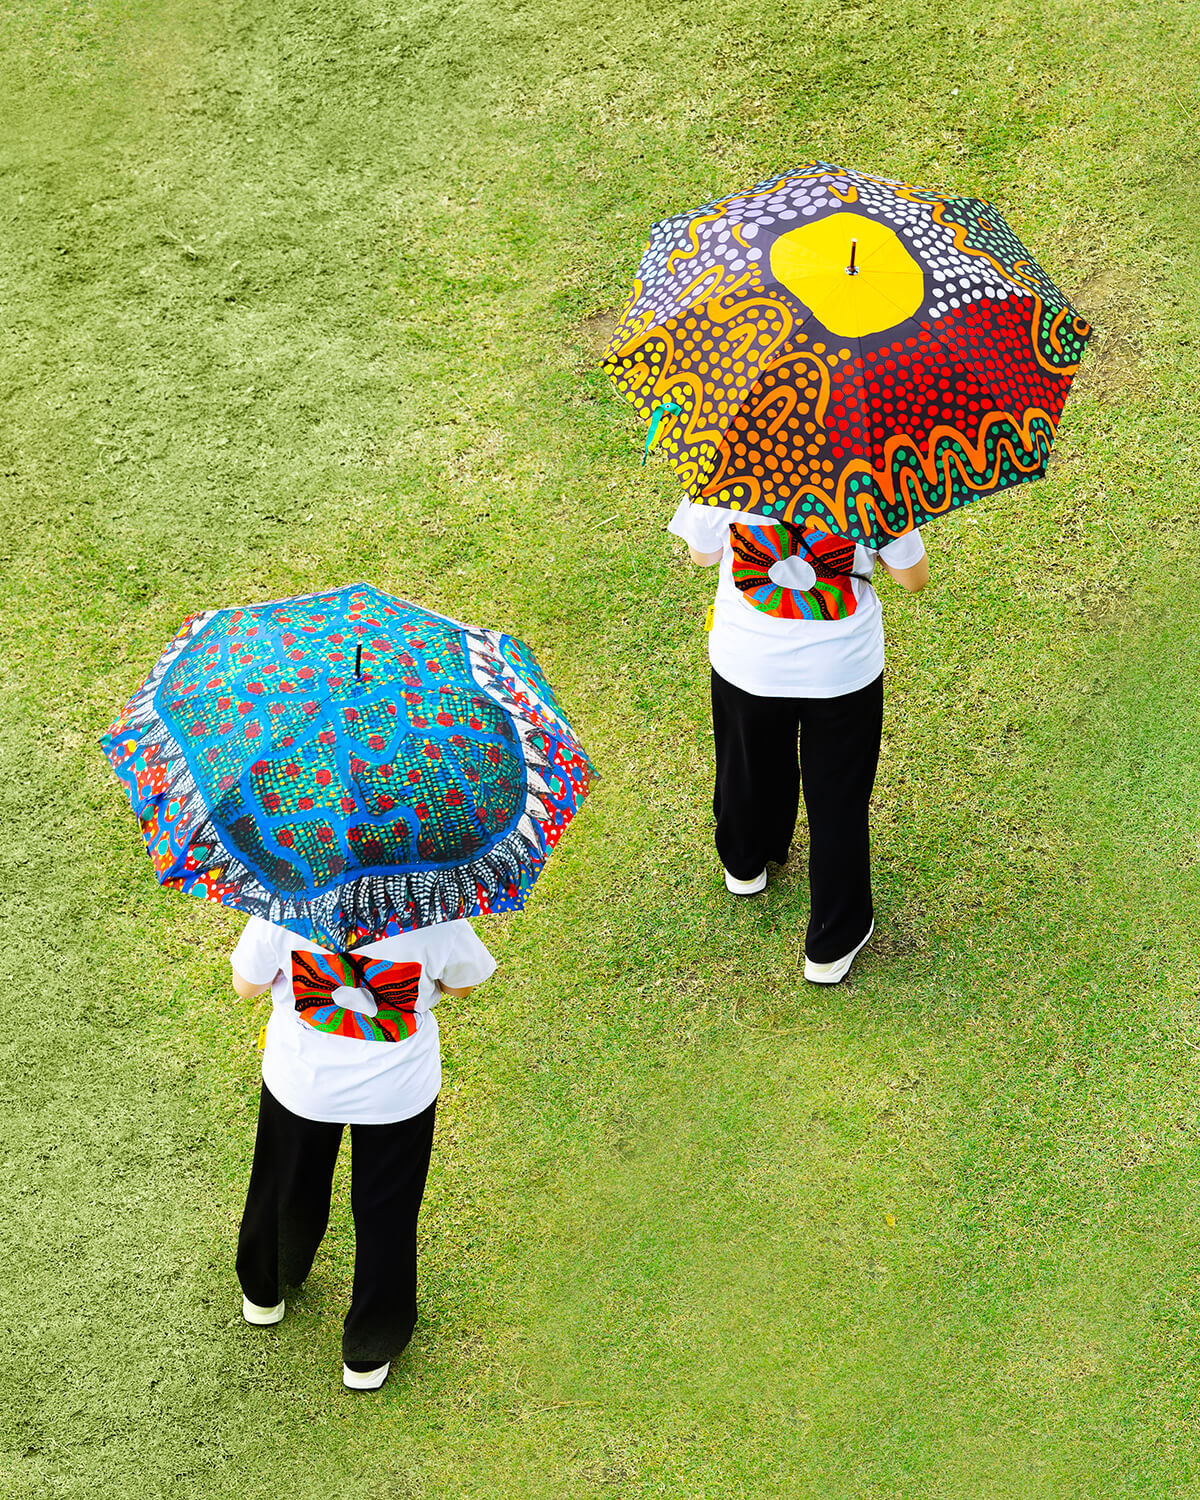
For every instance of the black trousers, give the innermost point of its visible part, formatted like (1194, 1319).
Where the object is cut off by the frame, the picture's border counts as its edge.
(757, 797)
(287, 1211)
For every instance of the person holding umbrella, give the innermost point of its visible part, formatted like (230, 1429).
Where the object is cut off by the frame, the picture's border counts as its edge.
(360, 776)
(830, 360)
(352, 1040)
(796, 648)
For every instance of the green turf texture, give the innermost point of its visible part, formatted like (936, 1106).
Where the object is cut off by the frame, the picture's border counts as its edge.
(301, 293)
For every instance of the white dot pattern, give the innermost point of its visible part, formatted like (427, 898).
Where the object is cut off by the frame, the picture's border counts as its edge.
(971, 254)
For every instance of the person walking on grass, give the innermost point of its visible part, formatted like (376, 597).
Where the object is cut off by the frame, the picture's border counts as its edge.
(796, 648)
(355, 765)
(352, 1040)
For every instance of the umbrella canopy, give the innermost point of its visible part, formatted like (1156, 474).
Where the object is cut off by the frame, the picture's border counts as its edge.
(845, 353)
(348, 765)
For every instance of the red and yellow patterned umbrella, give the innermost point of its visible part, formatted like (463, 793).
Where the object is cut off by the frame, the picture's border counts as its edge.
(845, 353)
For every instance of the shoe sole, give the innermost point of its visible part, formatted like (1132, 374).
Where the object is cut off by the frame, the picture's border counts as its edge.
(837, 971)
(737, 887)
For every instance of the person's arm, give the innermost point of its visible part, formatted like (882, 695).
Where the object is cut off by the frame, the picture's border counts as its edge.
(254, 953)
(246, 989)
(702, 530)
(462, 957)
(913, 579)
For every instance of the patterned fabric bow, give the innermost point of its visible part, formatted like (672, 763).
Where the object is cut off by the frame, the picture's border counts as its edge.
(393, 988)
(756, 549)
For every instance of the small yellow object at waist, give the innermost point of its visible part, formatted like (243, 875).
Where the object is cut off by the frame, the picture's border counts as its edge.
(262, 1037)
(708, 618)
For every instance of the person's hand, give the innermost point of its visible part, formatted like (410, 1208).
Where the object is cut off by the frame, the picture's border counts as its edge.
(247, 990)
(913, 579)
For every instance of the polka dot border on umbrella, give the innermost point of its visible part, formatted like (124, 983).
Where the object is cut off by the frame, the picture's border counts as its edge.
(843, 349)
(348, 765)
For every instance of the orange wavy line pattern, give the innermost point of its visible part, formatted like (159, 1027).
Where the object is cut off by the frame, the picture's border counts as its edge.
(693, 226)
(1064, 371)
(935, 469)
(716, 273)
(789, 396)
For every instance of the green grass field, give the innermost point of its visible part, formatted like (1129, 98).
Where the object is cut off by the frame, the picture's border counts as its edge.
(302, 293)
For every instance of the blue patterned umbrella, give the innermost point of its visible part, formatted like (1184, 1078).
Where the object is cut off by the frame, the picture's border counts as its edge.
(348, 765)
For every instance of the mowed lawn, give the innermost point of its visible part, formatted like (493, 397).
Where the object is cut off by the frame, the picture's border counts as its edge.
(300, 293)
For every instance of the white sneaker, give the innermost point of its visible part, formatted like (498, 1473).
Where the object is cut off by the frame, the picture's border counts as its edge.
(368, 1380)
(745, 887)
(262, 1317)
(833, 973)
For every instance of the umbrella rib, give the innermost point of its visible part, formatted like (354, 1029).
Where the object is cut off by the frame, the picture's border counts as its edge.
(936, 338)
(306, 721)
(863, 431)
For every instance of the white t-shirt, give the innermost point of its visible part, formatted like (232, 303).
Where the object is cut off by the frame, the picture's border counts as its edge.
(789, 620)
(352, 1037)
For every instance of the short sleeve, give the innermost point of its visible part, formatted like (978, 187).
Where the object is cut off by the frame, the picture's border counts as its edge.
(256, 956)
(700, 526)
(905, 552)
(463, 961)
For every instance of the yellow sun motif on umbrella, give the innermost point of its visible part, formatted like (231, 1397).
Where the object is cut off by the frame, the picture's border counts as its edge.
(852, 272)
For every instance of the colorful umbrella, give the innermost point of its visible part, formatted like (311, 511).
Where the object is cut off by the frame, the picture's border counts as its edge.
(348, 765)
(845, 353)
